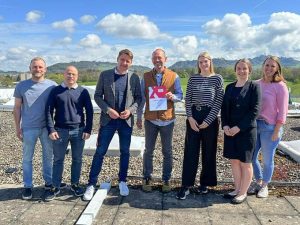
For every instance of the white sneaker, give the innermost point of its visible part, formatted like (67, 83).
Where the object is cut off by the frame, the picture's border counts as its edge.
(89, 192)
(263, 192)
(124, 191)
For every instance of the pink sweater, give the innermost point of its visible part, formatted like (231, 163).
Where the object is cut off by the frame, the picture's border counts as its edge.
(274, 105)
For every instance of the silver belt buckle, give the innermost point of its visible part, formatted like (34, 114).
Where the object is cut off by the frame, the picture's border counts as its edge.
(198, 107)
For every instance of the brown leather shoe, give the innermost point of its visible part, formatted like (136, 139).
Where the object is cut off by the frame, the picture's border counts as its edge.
(166, 187)
(147, 185)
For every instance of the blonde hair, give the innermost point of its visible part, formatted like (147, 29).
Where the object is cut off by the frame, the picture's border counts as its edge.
(244, 60)
(277, 76)
(206, 55)
(38, 58)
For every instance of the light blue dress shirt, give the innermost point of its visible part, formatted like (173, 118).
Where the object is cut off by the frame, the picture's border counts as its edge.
(177, 97)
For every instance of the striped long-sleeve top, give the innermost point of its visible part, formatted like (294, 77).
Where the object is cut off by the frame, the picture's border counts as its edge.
(205, 91)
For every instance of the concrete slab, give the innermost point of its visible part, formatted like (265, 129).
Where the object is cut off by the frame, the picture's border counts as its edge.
(141, 200)
(47, 214)
(185, 216)
(293, 112)
(294, 201)
(148, 208)
(232, 217)
(138, 217)
(106, 215)
(109, 208)
(72, 217)
(272, 206)
(6, 93)
(192, 201)
(292, 148)
(137, 146)
(278, 220)
(11, 210)
(218, 204)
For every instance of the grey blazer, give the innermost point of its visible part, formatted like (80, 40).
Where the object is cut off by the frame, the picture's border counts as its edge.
(105, 95)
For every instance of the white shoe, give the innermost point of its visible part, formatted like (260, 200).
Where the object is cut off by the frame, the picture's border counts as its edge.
(263, 192)
(124, 191)
(89, 193)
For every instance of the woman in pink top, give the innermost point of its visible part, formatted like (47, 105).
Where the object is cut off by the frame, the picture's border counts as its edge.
(272, 116)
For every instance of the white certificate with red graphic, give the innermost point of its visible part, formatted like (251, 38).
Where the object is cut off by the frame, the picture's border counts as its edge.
(157, 98)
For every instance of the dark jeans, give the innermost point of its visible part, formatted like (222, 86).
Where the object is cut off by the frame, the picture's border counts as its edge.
(166, 135)
(74, 136)
(105, 136)
(207, 139)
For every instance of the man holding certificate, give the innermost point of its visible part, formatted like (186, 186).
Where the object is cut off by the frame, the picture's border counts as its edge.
(160, 89)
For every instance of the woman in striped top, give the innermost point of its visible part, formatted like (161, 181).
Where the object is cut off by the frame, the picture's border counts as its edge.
(203, 102)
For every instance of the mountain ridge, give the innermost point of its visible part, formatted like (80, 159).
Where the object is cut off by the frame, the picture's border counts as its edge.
(221, 62)
(100, 66)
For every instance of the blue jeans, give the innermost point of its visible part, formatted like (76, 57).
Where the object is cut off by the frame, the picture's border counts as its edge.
(74, 136)
(105, 136)
(268, 148)
(30, 137)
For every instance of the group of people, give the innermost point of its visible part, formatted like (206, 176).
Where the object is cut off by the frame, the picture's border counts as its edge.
(252, 116)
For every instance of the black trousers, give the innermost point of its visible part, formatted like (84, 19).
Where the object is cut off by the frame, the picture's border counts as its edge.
(206, 138)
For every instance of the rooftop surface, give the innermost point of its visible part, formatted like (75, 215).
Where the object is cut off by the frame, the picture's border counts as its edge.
(147, 208)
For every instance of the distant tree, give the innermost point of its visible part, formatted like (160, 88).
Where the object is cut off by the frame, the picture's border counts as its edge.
(57, 77)
(6, 81)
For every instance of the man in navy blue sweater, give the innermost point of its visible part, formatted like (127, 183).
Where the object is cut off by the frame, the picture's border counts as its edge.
(67, 102)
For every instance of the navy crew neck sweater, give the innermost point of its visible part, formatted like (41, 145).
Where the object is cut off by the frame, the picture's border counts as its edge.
(67, 105)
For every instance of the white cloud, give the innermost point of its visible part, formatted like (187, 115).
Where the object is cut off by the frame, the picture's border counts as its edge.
(237, 37)
(17, 52)
(90, 41)
(86, 19)
(233, 36)
(232, 28)
(284, 22)
(132, 26)
(2, 57)
(67, 25)
(34, 16)
(17, 58)
(64, 41)
(187, 46)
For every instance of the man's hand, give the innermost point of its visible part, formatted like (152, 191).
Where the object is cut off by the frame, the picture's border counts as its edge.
(54, 136)
(85, 136)
(139, 123)
(193, 123)
(113, 114)
(170, 96)
(19, 134)
(125, 114)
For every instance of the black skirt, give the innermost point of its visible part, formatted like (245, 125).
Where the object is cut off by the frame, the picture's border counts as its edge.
(241, 146)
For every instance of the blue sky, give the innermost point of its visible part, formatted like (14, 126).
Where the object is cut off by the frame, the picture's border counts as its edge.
(66, 31)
